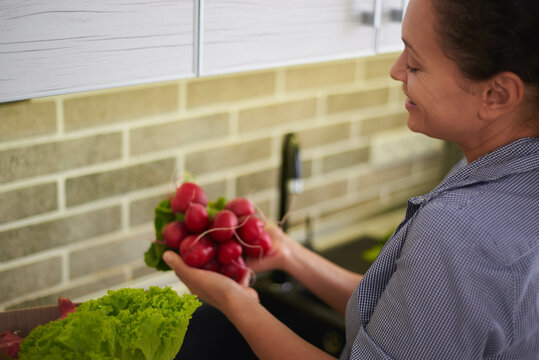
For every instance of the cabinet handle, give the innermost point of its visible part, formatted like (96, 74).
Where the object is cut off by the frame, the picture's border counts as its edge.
(366, 18)
(395, 15)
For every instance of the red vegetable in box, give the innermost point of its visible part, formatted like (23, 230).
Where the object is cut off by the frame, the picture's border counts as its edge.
(9, 345)
(66, 306)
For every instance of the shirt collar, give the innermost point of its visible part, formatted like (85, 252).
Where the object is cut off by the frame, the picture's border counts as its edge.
(518, 156)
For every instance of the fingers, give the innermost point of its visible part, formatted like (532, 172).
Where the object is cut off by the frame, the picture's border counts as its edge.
(272, 229)
(182, 270)
(246, 279)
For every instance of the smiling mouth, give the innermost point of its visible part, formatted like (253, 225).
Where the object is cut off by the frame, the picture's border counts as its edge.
(405, 91)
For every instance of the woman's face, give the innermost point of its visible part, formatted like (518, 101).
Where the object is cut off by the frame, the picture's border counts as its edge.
(440, 102)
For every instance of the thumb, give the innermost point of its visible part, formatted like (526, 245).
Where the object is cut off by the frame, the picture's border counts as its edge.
(173, 259)
(183, 271)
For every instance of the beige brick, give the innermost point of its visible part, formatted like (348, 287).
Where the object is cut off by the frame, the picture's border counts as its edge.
(124, 105)
(142, 270)
(27, 118)
(356, 100)
(107, 255)
(214, 190)
(120, 181)
(142, 211)
(436, 161)
(379, 67)
(320, 194)
(257, 181)
(401, 195)
(49, 158)
(178, 133)
(31, 239)
(29, 278)
(345, 159)
(306, 168)
(102, 282)
(209, 91)
(324, 135)
(228, 156)
(362, 208)
(381, 176)
(264, 209)
(29, 201)
(375, 125)
(313, 76)
(276, 114)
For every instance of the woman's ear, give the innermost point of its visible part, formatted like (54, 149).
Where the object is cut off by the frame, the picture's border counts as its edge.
(501, 94)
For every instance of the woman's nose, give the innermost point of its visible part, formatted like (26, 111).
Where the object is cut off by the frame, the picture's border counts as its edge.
(398, 70)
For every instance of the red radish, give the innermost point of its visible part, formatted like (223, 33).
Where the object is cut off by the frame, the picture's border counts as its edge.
(174, 233)
(66, 306)
(251, 229)
(186, 194)
(197, 253)
(260, 247)
(196, 218)
(212, 265)
(225, 219)
(228, 251)
(241, 207)
(235, 270)
(10, 345)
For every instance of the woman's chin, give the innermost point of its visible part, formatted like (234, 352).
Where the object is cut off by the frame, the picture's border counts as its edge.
(414, 125)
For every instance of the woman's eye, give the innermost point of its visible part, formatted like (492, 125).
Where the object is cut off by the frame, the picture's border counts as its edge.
(411, 69)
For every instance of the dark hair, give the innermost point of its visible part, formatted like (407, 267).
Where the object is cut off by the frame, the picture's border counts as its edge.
(486, 37)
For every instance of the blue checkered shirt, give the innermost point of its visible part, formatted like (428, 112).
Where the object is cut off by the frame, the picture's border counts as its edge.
(459, 278)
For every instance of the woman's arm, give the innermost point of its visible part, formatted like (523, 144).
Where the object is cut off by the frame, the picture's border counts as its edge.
(330, 282)
(268, 337)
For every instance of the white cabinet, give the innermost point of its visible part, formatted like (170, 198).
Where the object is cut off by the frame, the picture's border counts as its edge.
(60, 46)
(250, 34)
(389, 14)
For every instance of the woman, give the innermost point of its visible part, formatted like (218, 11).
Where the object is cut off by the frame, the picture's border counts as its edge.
(459, 279)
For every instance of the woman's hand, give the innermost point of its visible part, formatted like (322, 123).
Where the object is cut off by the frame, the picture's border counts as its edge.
(281, 251)
(214, 288)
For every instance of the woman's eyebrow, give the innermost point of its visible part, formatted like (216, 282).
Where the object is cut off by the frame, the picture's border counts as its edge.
(409, 46)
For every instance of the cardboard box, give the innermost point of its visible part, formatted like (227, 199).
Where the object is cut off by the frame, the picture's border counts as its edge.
(22, 321)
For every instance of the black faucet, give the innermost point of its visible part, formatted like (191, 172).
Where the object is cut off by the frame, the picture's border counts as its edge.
(290, 183)
(290, 176)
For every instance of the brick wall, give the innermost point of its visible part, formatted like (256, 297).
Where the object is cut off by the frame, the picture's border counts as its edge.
(81, 173)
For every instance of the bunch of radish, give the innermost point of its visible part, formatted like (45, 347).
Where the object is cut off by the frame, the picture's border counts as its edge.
(215, 236)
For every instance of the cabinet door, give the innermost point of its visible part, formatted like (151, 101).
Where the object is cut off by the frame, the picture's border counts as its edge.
(60, 46)
(389, 21)
(249, 34)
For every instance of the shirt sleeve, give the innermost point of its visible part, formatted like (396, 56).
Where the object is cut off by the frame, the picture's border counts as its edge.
(450, 296)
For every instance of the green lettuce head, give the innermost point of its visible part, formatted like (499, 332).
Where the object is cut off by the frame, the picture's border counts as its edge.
(125, 324)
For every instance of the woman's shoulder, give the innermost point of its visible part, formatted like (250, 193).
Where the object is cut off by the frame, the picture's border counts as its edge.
(492, 219)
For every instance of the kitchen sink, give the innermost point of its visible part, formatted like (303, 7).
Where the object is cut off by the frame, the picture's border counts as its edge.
(210, 335)
(302, 311)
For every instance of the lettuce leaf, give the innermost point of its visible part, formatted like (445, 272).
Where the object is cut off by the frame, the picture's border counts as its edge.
(124, 324)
